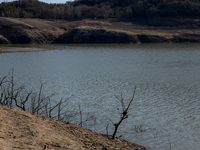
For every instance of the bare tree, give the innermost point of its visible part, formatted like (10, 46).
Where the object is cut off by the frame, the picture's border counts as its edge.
(39, 103)
(124, 114)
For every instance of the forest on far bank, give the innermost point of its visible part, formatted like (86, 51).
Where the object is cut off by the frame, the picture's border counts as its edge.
(102, 9)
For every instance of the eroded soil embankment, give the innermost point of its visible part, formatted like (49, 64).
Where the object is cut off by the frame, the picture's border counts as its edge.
(95, 35)
(37, 31)
(23, 130)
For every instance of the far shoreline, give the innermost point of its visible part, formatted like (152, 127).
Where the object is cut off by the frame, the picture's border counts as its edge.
(21, 49)
(93, 31)
(12, 48)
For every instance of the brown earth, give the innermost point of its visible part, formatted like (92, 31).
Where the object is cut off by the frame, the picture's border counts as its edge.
(21, 49)
(158, 30)
(19, 32)
(23, 130)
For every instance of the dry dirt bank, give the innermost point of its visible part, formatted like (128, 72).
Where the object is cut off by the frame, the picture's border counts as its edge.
(37, 31)
(21, 49)
(23, 130)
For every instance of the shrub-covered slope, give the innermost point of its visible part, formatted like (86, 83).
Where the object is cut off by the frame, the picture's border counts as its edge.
(122, 9)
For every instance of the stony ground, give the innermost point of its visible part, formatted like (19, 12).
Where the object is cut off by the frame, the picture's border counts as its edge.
(23, 130)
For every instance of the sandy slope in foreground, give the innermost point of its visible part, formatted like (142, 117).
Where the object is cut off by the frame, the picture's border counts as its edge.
(23, 130)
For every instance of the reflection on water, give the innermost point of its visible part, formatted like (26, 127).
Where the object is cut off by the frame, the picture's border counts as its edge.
(166, 109)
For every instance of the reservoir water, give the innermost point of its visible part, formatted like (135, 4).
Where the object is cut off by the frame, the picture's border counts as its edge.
(165, 113)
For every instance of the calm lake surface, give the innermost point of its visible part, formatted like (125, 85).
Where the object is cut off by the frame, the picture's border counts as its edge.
(165, 113)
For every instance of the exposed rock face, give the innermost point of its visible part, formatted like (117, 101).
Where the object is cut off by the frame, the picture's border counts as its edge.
(21, 33)
(3, 40)
(152, 39)
(107, 36)
(31, 36)
(13, 31)
(186, 37)
(95, 36)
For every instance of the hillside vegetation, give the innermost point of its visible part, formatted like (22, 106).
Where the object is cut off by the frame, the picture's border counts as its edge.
(100, 21)
(121, 9)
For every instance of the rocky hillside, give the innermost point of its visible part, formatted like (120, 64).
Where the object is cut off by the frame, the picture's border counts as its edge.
(23, 130)
(18, 32)
(37, 31)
